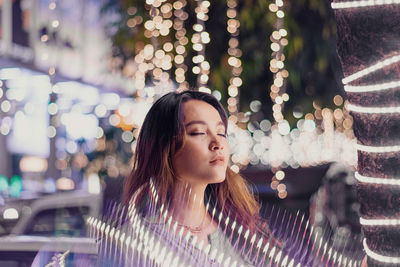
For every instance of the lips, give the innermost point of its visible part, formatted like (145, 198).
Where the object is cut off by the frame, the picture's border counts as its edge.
(218, 160)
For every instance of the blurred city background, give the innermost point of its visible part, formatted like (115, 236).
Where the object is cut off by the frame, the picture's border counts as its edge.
(77, 78)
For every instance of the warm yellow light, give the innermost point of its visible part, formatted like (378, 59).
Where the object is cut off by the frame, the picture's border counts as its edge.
(149, 25)
(168, 47)
(237, 81)
(65, 184)
(198, 27)
(159, 54)
(204, 78)
(276, 35)
(281, 187)
(197, 47)
(179, 59)
(275, 47)
(273, 7)
(233, 91)
(338, 100)
(280, 175)
(33, 164)
(196, 70)
(283, 32)
(180, 49)
(177, 5)
(231, 13)
(282, 194)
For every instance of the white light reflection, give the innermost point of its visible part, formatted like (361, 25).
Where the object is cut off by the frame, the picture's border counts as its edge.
(303, 146)
(110, 100)
(88, 95)
(9, 73)
(80, 125)
(94, 184)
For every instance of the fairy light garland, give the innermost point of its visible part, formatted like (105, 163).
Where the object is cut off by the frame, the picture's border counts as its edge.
(277, 66)
(161, 60)
(378, 149)
(376, 180)
(372, 88)
(376, 88)
(377, 66)
(199, 39)
(278, 88)
(363, 3)
(373, 110)
(234, 61)
(378, 257)
(151, 57)
(379, 222)
(179, 59)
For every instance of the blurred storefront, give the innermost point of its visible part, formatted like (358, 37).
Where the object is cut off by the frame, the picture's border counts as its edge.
(60, 107)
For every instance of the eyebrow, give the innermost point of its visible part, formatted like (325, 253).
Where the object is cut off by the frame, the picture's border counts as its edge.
(202, 122)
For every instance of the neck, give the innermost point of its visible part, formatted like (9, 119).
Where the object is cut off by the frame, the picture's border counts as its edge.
(188, 204)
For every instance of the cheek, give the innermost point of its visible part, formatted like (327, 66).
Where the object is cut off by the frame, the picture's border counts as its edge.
(227, 149)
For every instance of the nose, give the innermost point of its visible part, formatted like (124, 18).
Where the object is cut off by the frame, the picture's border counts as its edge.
(216, 144)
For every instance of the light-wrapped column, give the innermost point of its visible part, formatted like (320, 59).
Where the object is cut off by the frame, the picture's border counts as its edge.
(369, 49)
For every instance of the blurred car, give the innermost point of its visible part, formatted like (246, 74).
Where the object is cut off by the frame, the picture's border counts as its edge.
(21, 251)
(61, 214)
(48, 228)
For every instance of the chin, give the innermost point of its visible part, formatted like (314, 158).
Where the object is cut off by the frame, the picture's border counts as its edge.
(218, 179)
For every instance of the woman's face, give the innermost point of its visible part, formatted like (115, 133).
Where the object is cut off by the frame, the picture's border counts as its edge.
(204, 156)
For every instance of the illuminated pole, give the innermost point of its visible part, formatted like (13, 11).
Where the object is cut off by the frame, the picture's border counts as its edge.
(6, 26)
(368, 46)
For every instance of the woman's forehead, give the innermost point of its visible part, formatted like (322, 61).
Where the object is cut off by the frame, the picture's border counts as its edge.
(197, 110)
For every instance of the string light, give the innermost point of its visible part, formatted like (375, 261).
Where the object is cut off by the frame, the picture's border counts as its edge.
(151, 58)
(373, 110)
(371, 88)
(363, 3)
(379, 222)
(234, 61)
(373, 68)
(375, 180)
(378, 257)
(179, 59)
(378, 149)
(199, 39)
(278, 88)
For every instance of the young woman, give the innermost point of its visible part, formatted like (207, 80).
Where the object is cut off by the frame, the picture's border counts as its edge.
(182, 144)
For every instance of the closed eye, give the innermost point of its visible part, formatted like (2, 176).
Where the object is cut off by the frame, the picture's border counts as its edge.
(196, 133)
(223, 135)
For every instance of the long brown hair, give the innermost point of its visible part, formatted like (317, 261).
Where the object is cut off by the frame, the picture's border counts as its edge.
(161, 136)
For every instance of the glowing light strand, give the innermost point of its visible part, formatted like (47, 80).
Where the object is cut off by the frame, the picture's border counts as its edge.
(378, 257)
(278, 88)
(372, 88)
(379, 222)
(277, 94)
(376, 180)
(199, 40)
(182, 40)
(234, 61)
(377, 66)
(373, 110)
(363, 3)
(378, 149)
